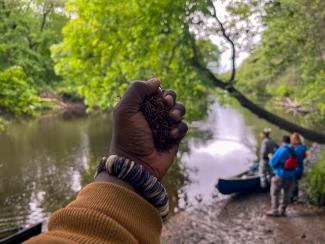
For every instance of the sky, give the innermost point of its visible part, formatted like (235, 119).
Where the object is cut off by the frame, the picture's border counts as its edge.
(225, 60)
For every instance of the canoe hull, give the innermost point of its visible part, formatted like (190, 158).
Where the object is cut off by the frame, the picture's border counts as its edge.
(236, 185)
(23, 235)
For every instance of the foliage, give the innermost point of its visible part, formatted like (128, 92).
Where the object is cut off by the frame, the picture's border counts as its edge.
(2, 124)
(27, 30)
(108, 45)
(289, 61)
(315, 182)
(16, 96)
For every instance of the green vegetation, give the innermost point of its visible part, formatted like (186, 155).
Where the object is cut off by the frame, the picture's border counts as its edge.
(103, 50)
(99, 50)
(16, 95)
(315, 182)
(289, 61)
(27, 30)
(92, 50)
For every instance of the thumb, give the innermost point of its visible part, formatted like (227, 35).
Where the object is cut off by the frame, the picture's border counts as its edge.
(139, 90)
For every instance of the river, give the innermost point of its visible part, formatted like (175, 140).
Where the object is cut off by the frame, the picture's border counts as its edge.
(45, 162)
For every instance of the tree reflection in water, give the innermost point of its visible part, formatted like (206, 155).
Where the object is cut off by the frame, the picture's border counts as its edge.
(44, 163)
(41, 165)
(180, 173)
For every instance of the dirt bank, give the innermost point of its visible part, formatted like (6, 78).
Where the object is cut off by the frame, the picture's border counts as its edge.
(241, 219)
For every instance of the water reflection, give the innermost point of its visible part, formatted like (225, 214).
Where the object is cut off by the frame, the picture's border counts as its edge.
(44, 163)
(220, 146)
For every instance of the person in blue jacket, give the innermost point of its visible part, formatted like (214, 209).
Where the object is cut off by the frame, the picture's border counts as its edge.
(285, 165)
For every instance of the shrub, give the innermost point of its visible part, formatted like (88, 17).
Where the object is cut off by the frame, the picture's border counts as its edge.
(16, 95)
(2, 125)
(316, 182)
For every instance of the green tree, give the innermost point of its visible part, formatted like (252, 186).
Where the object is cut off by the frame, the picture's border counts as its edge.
(16, 95)
(27, 30)
(315, 182)
(108, 45)
(289, 61)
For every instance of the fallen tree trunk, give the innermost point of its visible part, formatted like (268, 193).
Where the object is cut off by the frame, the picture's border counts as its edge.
(293, 107)
(54, 100)
(198, 64)
(261, 112)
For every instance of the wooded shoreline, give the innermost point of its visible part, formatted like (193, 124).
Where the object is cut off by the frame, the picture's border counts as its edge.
(241, 219)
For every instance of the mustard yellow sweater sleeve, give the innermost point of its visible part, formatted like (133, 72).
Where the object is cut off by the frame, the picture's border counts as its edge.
(104, 213)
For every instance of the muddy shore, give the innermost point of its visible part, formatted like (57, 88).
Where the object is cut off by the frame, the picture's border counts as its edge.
(241, 219)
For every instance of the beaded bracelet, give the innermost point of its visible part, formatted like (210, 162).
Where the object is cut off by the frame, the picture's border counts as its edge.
(141, 179)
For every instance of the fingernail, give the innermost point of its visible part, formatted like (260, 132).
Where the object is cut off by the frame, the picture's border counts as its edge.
(174, 133)
(170, 100)
(176, 114)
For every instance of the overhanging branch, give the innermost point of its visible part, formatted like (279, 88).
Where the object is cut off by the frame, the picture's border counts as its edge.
(260, 111)
(251, 106)
(241, 98)
(226, 36)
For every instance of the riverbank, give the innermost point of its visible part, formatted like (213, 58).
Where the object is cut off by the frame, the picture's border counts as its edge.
(51, 107)
(241, 219)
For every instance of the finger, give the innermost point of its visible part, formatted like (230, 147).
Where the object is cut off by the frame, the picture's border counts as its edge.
(177, 112)
(170, 97)
(179, 131)
(139, 90)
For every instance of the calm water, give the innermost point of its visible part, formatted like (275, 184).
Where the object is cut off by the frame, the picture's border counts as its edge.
(44, 163)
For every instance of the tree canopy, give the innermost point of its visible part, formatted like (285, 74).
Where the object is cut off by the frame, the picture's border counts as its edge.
(108, 45)
(104, 45)
(27, 30)
(290, 60)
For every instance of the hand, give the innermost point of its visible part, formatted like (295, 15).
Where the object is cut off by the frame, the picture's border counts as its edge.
(132, 136)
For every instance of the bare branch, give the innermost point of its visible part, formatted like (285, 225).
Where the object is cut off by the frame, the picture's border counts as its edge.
(46, 12)
(171, 57)
(196, 52)
(226, 36)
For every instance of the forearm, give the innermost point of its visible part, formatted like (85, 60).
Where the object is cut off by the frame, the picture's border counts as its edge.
(104, 211)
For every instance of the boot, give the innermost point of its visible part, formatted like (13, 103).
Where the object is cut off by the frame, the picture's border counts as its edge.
(272, 213)
(283, 213)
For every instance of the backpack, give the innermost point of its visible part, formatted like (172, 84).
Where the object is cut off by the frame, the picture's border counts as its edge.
(292, 161)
